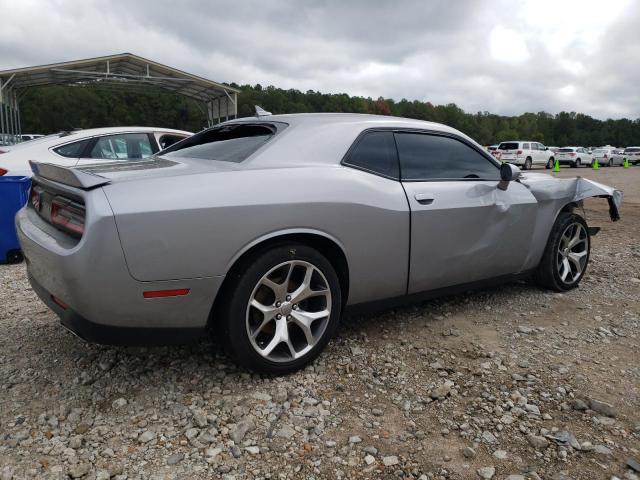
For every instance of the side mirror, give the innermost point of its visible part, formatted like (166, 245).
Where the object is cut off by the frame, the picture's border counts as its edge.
(509, 172)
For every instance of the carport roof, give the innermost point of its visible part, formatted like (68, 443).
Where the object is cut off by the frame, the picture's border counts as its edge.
(118, 70)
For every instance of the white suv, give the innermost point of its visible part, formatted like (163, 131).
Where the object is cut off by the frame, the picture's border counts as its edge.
(574, 156)
(632, 154)
(525, 154)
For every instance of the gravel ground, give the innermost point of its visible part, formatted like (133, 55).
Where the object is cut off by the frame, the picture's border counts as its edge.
(512, 382)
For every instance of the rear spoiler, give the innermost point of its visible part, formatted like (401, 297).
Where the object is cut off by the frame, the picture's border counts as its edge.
(68, 176)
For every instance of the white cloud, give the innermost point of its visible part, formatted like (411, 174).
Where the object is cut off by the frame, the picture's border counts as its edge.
(508, 46)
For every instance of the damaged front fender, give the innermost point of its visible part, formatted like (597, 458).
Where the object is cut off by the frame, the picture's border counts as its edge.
(568, 190)
(588, 188)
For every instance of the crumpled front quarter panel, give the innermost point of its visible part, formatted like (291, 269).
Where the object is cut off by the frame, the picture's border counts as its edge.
(553, 194)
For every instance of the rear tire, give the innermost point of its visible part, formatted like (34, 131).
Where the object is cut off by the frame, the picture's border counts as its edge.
(566, 254)
(262, 331)
(549, 164)
(527, 164)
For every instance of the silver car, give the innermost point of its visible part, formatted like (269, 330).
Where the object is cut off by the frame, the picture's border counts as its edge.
(263, 231)
(608, 156)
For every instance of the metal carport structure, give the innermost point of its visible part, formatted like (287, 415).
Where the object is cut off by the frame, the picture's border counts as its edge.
(118, 71)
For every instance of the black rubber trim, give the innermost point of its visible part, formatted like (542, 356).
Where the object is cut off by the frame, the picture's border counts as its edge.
(110, 335)
(413, 298)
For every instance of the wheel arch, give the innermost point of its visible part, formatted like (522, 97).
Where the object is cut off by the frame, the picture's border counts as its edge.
(568, 207)
(326, 244)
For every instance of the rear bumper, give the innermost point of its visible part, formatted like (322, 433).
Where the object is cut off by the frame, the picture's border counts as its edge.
(105, 304)
(115, 335)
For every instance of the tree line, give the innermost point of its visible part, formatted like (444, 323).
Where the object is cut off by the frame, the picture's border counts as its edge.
(54, 108)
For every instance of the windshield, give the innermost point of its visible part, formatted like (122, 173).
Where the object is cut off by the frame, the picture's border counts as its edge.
(229, 143)
(508, 146)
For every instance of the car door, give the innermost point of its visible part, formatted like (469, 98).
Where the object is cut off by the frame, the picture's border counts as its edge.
(464, 228)
(541, 154)
(588, 155)
(533, 153)
(526, 152)
(119, 147)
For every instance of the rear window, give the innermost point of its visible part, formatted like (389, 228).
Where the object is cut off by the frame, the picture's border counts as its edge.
(566, 150)
(508, 146)
(72, 150)
(228, 143)
(632, 150)
(600, 150)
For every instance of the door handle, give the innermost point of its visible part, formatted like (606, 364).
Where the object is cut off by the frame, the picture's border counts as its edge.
(424, 198)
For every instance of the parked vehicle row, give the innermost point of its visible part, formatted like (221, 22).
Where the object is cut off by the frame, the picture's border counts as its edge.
(528, 153)
(85, 147)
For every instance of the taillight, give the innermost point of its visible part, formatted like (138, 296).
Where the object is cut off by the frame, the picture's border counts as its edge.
(68, 215)
(3, 151)
(3, 172)
(34, 198)
(572, 154)
(605, 156)
(519, 152)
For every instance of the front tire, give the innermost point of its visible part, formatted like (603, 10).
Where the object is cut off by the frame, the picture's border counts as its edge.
(284, 306)
(566, 255)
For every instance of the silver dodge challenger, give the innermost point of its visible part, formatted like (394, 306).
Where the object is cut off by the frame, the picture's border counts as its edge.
(262, 231)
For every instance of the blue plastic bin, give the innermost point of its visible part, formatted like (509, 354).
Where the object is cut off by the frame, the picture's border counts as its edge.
(14, 192)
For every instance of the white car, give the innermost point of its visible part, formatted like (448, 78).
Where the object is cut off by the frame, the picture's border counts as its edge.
(632, 154)
(25, 137)
(82, 147)
(525, 154)
(608, 156)
(574, 156)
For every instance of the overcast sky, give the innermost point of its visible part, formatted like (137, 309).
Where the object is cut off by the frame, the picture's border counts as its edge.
(502, 56)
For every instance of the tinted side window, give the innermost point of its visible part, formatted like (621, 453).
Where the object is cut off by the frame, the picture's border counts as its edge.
(72, 150)
(525, 146)
(428, 157)
(376, 152)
